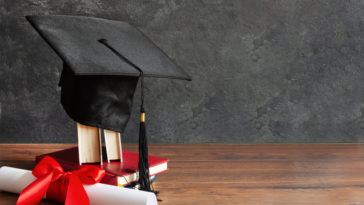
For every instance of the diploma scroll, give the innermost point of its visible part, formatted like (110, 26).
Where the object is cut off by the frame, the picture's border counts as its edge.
(14, 180)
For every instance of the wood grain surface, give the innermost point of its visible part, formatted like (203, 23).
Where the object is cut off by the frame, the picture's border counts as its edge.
(239, 173)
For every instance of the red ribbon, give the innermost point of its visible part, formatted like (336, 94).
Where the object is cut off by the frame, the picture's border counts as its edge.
(59, 185)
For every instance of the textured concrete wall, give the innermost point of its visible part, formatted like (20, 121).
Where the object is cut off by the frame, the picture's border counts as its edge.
(263, 70)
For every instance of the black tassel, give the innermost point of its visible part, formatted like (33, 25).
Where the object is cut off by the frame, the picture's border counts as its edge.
(143, 166)
(144, 178)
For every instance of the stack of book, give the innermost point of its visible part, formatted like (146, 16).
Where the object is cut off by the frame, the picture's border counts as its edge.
(119, 173)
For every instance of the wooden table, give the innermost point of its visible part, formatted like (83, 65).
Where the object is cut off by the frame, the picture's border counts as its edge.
(240, 173)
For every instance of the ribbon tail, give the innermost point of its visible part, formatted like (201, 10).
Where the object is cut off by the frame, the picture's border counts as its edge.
(35, 191)
(76, 194)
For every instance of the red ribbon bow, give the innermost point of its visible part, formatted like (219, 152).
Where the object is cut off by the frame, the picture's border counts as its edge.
(59, 185)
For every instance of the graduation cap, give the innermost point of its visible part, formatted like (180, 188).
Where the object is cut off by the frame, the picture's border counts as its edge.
(103, 60)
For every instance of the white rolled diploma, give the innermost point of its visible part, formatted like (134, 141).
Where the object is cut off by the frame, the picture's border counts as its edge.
(14, 180)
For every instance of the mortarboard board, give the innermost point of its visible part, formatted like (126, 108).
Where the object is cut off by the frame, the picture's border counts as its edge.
(103, 61)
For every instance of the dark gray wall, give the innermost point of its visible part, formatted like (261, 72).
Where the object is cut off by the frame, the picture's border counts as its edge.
(263, 70)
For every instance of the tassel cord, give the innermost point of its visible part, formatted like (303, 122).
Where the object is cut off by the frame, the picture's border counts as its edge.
(143, 165)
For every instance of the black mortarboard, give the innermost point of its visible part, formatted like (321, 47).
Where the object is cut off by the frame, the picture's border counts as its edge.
(102, 63)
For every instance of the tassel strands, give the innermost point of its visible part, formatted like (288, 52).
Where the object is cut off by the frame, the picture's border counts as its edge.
(143, 166)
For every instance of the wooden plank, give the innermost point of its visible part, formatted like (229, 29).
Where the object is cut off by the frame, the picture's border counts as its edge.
(211, 193)
(226, 152)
